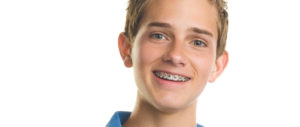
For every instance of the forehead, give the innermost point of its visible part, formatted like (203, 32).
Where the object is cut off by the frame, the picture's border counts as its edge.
(182, 14)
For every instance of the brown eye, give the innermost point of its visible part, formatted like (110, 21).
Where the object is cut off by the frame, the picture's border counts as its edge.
(199, 43)
(158, 36)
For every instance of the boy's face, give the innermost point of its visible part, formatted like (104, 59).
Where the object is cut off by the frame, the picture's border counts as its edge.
(176, 41)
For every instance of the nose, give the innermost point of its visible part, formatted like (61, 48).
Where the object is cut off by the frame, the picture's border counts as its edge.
(175, 55)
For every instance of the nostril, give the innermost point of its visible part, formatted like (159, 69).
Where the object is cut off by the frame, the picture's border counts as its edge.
(174, 59)
(175, 54)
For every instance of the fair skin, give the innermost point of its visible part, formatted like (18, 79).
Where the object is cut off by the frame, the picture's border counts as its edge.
(178, 38)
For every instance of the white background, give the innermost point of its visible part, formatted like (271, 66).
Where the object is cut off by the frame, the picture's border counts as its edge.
(60, 66)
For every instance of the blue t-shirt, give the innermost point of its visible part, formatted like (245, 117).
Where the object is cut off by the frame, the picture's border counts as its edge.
(121, 117)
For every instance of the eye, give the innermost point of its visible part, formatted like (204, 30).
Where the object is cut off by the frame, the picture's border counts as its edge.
(158, 36)
(199, 43)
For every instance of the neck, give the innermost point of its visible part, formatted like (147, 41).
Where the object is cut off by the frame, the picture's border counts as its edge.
(145, 114)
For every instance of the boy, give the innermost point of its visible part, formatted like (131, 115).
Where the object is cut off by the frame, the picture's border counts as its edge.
(175, 47)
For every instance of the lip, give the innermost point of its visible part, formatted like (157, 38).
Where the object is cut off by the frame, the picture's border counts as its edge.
(173, 73)
(168, 83)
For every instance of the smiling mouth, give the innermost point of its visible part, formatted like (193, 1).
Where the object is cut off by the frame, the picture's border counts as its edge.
(170, 77)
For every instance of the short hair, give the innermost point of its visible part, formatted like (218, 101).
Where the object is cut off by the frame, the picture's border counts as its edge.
(135, 12)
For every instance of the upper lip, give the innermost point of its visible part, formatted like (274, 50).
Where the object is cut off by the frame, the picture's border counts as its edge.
(173, 73)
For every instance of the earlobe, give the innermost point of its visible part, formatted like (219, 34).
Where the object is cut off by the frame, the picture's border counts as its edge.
(124, 49)
(128, 61)
(219, 67)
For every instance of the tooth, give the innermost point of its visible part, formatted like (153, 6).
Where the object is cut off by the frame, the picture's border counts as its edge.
(180, 78)
(164, 74)
(160, 75)
(176, 77)
(168, 76)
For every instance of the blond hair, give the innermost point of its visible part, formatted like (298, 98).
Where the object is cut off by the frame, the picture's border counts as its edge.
(135, 12)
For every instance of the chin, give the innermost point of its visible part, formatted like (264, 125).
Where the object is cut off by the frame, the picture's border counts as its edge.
(165, 104)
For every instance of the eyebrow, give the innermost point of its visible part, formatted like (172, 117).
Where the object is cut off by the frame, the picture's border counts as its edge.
(159, 24)
(201, 31)
(193, 29)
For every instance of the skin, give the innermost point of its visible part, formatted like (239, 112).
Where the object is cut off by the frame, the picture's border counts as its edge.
(178, 37)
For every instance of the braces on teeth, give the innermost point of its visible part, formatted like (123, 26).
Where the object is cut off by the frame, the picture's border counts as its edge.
(167, 76)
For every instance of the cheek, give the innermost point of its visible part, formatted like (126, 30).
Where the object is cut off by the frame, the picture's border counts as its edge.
(203, 65)
(144, 56)
(147, 53)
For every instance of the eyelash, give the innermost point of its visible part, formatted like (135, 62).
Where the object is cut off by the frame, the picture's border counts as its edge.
(161, 36)
(199, 43)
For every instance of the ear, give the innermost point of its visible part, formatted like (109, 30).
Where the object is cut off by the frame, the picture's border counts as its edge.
(124, 49)
(219, 67)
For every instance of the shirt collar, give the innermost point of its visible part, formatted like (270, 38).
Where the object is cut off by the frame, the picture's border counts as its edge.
(118, 119)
